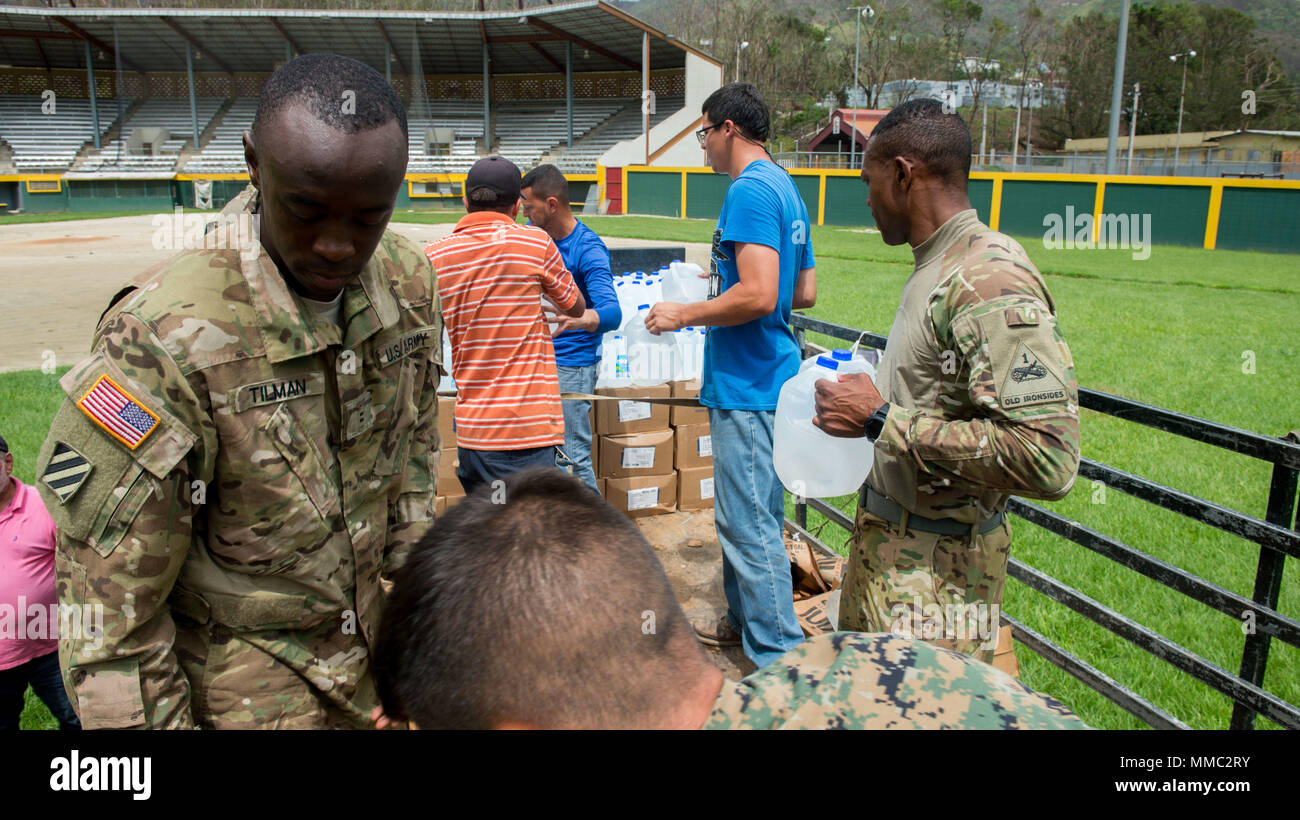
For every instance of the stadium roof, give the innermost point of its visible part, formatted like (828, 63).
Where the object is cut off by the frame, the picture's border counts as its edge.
(523, 41)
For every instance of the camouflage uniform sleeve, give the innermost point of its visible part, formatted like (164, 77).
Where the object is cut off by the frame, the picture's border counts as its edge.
(1009, 417)
(412, 514)
(122, 505)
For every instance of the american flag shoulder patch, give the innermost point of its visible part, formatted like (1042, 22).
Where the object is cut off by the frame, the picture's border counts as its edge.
(120, 414)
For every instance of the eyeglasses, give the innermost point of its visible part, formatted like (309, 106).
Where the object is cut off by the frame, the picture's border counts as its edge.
(703, 133)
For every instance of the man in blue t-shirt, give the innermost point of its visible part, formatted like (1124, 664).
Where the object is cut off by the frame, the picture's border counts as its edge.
(762, 268)
(544, 193)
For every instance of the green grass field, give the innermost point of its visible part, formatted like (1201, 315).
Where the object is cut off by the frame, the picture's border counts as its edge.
(1171, 330)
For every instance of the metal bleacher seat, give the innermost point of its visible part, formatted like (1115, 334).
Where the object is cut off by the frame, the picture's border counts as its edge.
(165, 117)
(48, 141)
(625, 125)
(224, 152)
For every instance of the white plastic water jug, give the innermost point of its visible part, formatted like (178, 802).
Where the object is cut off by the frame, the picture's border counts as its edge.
(613, 370)
(848, 363)
(690, 354)
(811, 463)
(687, 284)
(650, 358)
(447, 384)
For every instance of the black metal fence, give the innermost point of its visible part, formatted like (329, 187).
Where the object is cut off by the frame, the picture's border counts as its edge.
(1277, 534)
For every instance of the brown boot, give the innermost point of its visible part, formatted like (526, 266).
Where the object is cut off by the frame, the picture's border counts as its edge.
(715, 633)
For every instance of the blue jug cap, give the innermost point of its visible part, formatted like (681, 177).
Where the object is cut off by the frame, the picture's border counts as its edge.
(828, 363)
(840, 354)
(642, 307)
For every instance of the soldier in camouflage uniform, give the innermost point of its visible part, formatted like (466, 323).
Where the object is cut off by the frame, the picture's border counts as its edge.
(975, 399)
(253, 442)
(471, 641)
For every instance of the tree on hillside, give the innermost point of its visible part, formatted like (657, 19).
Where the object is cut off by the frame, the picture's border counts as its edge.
(956, 18)
(1230, 58)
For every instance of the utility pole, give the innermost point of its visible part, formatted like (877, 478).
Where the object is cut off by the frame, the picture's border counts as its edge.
(1132, 125)
(1117, 91)
(1029, 136)
(857, 48)
(984, 129)
(1181, 96)
(1015, 140)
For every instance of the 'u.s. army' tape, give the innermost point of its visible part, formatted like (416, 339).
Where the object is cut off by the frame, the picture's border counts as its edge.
(674, 402)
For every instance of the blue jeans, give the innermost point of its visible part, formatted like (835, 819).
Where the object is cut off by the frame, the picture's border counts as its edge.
(482, 467)
(43, 675)
(749, 508)
(577, 422)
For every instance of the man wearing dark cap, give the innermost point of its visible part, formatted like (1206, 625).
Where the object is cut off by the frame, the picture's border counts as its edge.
(492, 274)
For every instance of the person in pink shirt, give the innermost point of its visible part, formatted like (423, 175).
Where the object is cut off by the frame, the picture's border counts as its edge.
(27, 598)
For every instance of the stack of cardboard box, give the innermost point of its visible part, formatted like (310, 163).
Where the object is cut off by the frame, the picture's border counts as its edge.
(651, 459)
(635, 445)
(694, 458)
(449, 489)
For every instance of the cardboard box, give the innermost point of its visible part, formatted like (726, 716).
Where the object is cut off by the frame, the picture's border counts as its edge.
(694, 447)
(446, 420)
(1004, 656)
(617, 418)
(443, 503)
(636, 454)
(643, 495)
(679, 416)
(449, 486)
(448, 482)
(600, 487)
(695, 489)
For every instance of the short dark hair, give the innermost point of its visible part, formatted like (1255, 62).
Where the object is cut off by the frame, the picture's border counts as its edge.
(740, 103)
(533, 610)
(922, 130)
(321, 82)
(547, 181)
(487, 201)
(4, 445)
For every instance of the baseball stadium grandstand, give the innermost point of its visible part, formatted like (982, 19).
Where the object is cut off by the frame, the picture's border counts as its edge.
(116, 109)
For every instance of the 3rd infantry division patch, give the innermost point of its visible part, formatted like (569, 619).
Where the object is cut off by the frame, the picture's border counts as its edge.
(66, 472)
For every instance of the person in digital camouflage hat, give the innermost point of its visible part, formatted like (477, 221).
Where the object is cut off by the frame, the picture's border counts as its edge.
(544, 607)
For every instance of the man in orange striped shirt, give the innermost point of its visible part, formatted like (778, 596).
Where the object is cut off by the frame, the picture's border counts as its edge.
(492, 274)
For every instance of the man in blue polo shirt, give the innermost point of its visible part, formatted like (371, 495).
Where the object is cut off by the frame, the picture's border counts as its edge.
(762, 268)
(544, 194)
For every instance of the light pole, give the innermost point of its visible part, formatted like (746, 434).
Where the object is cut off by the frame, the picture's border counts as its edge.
(1035, 89)
(1132, 125)
(857, 47)
(740, 45)
(1181, 95)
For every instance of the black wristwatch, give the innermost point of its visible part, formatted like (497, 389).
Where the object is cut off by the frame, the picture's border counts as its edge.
(876, 422)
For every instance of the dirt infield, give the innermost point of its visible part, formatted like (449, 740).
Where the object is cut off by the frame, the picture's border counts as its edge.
(57, 279)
